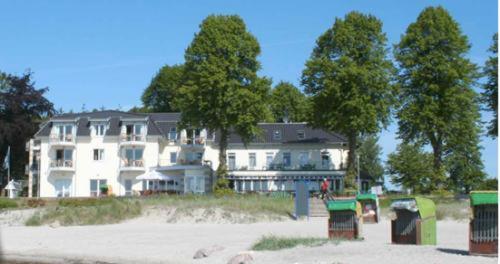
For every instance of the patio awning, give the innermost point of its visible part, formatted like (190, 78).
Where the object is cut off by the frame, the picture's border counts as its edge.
(155, 175)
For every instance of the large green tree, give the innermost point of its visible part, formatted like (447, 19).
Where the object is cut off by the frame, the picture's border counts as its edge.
(22, 108)
(159, 95)
(222, 91)
(370, 165)
(411, 168)
(438, 104)
(490, 93)
(288, 102)
(349, 79)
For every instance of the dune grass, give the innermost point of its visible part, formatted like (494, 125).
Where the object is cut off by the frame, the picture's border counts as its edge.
(110, 210)
(250, 204)
(107, 211)
(273, 243)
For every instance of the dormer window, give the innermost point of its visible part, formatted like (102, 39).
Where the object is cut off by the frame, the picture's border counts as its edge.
(301, 134)
(99, 129)
(277, 135)
(172, 134)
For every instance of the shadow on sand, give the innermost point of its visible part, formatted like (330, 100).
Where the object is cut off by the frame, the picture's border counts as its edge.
(454, 251)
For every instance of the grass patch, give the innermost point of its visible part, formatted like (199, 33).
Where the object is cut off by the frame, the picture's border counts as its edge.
(251, 204)
(111, 211)
(278, 243)
(7, 203)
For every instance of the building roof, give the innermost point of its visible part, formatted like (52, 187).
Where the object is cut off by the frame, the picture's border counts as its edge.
(161, 123)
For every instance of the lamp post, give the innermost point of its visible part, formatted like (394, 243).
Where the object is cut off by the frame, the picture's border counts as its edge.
(359, 177)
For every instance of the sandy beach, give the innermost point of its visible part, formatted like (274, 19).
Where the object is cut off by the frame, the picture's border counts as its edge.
(148, 240)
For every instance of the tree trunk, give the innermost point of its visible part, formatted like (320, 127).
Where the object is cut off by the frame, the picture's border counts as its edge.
(350, 178)
(222, 168)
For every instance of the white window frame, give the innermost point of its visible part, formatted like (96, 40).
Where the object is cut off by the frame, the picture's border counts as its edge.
(231, 154)
(303, 158)
(174, 155)
(99, 129)
(173, 130)
(252, 156)
(99, 182)
(66, 190)
(100, 154)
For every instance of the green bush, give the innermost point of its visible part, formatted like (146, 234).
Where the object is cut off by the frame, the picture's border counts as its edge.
(7, 203)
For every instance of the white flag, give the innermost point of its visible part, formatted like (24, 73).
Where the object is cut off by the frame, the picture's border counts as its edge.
(6, 161)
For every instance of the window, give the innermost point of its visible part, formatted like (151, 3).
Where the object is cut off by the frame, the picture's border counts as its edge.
(269, 159)
(62, 188)
(64, 158)
(133, 157)
(257, 186)
(128, 187)
(99, 130)
(301, 134)
(252, 161)
(65, 132)
(173, 157)
(265, 186)
(231, 161)
(303, 158)
(325, 160)
(277, 135)
(172, 134)
(134, 132)
(287, 159)
(247, 186)
(98, 154)
(95, 187)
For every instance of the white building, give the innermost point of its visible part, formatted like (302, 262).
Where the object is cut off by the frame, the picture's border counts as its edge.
(73, 154)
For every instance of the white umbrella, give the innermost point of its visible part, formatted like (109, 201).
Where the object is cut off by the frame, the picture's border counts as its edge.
(12, 185)
(153, 175)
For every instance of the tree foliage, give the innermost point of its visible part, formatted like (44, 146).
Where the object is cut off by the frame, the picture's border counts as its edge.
(490, 93)
(370, 164)
(438, 105)
(22, 108)
(159, 95)
(349, 79)
(222, 91)
(288, 102)
(411, 168)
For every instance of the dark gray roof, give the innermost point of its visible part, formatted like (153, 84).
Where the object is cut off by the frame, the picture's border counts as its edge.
(289, 134)
(161, 123)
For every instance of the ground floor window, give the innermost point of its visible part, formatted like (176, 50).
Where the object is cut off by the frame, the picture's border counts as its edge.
(195, 184)
(95, 187)
(63, 188)
(128, 187)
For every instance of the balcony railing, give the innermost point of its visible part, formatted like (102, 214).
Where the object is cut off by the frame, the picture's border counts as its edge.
(282, 167)
(130, 163)
(193, 141)
(131, 137)
(61, 138)
(61, 163)
(166, 162)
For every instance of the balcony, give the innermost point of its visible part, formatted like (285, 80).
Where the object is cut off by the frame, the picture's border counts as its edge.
(197, 142)
(283, 167)
(62, 140)
(132, 140)
(132, 165)
(61, 165)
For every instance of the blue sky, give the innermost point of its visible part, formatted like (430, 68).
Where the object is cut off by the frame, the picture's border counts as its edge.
(104, 53)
